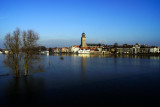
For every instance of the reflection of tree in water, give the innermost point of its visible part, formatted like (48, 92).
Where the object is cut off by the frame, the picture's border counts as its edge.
(26, 91)
(9, 63)
(35, 65)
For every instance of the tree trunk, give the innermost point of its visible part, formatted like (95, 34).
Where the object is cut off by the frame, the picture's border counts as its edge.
(26, 65)
(17, 66)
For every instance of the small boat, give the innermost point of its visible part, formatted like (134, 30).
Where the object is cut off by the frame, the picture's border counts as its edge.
(84, 51)
(62, 58)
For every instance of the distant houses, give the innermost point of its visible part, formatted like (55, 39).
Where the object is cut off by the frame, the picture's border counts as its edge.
(110, 49)
(136, 49)
(57, 50)
(105, 49)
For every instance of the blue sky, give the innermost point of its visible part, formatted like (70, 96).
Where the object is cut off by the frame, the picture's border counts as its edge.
(61, 22)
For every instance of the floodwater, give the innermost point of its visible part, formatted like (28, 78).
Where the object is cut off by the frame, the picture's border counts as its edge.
(84, 80)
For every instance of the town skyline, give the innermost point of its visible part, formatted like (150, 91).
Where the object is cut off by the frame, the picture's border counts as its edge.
(74, 42)
(61, 22)
(60, 42)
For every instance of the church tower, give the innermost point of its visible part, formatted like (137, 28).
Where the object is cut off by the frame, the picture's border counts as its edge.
(83, 40)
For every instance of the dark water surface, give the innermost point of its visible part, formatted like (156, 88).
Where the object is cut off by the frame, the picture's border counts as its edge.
(84, 81)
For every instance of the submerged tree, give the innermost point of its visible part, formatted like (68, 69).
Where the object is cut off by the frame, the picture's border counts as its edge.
(29, 48)
(23, 50)
(13, 43)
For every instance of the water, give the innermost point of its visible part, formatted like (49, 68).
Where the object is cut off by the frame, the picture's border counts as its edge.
(80, 80)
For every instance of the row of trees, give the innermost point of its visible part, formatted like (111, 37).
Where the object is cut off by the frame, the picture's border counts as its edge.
(23, 47)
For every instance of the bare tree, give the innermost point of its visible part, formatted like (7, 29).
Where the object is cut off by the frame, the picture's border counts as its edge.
(13, 42)
(23, 49)
(29, 48)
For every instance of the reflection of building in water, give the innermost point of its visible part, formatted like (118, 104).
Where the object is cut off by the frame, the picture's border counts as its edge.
(83, 65)
(84, 55)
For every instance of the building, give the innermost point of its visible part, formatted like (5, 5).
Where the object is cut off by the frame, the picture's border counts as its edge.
(136, 49)
(94, 45)
(85, 45)
(154, 49)
(1, 52)
(83, 40)
(65, 50)
(57, 50)
(6, 51)
(144, 50)
(124, 49)
(75, 49)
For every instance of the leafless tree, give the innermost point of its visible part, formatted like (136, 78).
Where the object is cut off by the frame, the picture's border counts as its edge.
(13, 43)
(29, 48)
(23, 49)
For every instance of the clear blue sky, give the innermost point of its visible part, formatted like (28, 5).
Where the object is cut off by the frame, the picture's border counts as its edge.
(61, 22)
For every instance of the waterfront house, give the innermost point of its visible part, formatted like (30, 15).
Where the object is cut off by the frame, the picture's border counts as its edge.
(75, 49)
(124, 49)
(144, 50)
(6, 51)
(45, 52)
(136, 49)
(57, 50)
(65, 50)
(54, 50)
(84, 51)
(154, 49)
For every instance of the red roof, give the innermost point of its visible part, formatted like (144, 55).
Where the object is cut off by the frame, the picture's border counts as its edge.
(76, 46)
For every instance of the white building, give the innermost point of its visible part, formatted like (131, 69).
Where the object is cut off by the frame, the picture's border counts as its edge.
(6, 51)
(154, 50)
(75, 49)
(84, 51)
(136, 49)
(57, 50)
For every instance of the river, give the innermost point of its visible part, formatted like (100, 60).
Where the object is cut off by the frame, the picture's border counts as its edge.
(84, 80)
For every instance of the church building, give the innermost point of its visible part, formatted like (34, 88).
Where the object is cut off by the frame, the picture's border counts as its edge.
(85, 45)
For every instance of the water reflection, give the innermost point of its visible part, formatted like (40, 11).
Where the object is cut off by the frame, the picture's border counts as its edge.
(84, 64)
(23, 91)
(35, 65)
(155, 57)
(82, 77)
